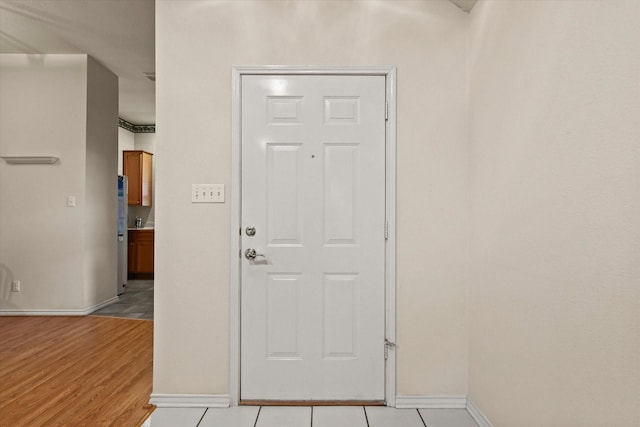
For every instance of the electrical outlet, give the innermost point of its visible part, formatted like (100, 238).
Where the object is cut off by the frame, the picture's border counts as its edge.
(15, 286)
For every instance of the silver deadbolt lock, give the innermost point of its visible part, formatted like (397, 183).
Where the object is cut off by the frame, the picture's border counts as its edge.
(251, 231)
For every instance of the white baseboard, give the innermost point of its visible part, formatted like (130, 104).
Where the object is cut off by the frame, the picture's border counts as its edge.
(477, 414)
(77, 312)
(431, 402)
(72, 312)
(190, 400)
(102, 304)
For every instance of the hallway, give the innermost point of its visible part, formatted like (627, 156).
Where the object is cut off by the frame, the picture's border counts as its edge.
(135, 303)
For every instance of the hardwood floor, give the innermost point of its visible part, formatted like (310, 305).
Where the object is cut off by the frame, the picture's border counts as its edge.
(75, 371)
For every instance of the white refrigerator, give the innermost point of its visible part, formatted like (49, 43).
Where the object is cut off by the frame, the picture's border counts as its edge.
(122, 233)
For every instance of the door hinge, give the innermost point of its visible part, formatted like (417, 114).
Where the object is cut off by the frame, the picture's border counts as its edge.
(387, 345)
(386, 111)
(386, 230)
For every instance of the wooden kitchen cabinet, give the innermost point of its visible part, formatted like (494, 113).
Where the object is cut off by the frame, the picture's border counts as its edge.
(140, 254)
(137, 166)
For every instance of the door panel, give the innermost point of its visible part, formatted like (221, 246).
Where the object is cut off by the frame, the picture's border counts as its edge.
(283, 316)
(284, 194)
(341, 309)
(313, 186)
(341, 194)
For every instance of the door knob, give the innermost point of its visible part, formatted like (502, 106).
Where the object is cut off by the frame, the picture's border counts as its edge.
(251, 254)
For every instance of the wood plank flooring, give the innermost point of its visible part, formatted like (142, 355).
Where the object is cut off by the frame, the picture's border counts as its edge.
(75, 371)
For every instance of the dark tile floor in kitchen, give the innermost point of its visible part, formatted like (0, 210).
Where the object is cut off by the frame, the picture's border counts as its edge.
(135, 303)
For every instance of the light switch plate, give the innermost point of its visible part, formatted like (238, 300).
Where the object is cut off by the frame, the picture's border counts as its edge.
(207, 193)
(217, 193)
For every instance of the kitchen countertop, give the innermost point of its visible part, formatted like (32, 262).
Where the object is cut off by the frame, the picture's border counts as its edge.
(143, 228)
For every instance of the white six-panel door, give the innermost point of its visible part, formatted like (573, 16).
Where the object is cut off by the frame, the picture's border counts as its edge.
(313, 188)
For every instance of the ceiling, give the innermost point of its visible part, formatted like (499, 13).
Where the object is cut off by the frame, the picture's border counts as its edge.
(118, 33)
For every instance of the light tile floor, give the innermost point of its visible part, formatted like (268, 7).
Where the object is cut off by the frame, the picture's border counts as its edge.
(135, 303)
(318, 416)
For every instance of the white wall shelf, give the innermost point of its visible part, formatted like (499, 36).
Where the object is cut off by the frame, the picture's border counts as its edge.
(30, 160)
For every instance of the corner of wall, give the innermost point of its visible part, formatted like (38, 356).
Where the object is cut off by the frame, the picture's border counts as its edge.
(100, 264)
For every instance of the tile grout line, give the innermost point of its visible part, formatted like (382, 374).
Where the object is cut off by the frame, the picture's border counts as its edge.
(364, 409)
(257, 416)
(421, 419)
(202, 417)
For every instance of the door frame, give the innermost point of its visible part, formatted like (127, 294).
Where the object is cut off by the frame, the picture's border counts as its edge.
(389, 72)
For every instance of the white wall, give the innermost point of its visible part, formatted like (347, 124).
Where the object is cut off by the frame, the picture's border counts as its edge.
(198, 42)
(42, 111)
(145, 142)
(100, 222)
(126, 141)
(555, 295)
(43, 243)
